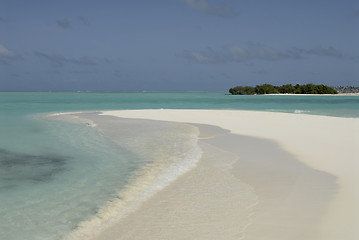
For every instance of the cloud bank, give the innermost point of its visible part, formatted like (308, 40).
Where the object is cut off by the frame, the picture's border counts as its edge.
(60, 61)
(236, 53)
(222, 10)
(325, 52)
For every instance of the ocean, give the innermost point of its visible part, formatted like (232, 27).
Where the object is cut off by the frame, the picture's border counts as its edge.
(55, 176)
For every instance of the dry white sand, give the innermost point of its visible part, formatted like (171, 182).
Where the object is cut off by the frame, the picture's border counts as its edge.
(276, 197)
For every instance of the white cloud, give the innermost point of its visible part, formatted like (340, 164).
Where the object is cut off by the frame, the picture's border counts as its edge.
(222, 10)
(6, 53)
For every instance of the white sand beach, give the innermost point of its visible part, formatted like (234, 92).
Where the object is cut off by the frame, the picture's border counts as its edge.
(271, 176)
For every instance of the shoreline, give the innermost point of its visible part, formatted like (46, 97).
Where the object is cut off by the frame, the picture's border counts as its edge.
(332, 150)
(258, 178)
(177, 154)
(228, 195)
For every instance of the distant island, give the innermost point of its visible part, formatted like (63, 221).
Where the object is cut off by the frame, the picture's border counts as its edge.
(347, 89)
(284, 89)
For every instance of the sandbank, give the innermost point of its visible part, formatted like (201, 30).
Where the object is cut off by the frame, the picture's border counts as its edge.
(263, 175)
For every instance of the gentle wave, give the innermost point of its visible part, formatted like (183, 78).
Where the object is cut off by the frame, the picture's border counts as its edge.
(299, 111)
(147, 181)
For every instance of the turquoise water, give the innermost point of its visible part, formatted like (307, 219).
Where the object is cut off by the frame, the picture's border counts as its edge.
(54, 175)
(23, 103)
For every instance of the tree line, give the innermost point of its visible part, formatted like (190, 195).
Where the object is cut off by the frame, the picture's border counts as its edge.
(287, 88)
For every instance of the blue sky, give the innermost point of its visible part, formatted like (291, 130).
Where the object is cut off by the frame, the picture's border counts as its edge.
(176, 45)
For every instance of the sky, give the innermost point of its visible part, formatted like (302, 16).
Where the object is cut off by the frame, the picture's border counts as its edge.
(176, 45)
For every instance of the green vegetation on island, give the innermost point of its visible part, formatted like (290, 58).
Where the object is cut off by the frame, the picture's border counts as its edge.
(284, 89)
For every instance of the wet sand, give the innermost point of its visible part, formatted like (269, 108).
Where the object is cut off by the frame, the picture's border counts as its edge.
(279, 176)
(234, 196)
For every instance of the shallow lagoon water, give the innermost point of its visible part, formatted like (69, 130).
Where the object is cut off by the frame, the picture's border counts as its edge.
(55, 175)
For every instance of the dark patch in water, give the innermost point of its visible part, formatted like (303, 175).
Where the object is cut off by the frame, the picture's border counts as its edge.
(18, 168)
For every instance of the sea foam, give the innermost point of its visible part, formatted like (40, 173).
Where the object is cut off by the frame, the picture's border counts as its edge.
(170, 149)
(299, 111)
